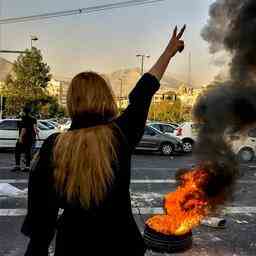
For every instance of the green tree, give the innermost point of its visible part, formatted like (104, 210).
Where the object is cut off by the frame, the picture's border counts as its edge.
(169, 111)
(50, 108)
(28, 81)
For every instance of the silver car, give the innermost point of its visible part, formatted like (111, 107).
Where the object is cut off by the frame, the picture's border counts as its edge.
(154, 140)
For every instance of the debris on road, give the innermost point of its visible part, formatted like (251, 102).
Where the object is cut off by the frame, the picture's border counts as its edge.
(10, 191)
(214, 222)
(242, 221)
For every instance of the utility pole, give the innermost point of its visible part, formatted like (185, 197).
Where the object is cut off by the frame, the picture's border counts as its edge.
(142, 59)
(189, 69)
(33, 38)
(121, 91)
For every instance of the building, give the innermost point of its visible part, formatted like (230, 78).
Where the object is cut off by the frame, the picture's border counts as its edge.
(188, 95)
(58, 89)
(163, 94)
(122, 102)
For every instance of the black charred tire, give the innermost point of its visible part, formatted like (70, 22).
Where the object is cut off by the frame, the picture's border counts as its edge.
(167, 149)
(246, 155)
(166, 244)
(188, 145)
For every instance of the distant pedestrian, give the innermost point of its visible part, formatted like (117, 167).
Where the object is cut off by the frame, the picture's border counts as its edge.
(27, 137)
(86, 171)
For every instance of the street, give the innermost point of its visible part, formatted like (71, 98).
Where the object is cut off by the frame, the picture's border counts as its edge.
(152, 176)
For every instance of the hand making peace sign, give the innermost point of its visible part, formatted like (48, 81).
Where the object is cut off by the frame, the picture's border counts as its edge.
(176, 44)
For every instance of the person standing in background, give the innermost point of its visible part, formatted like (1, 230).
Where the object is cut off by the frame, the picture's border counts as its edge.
(27, 136)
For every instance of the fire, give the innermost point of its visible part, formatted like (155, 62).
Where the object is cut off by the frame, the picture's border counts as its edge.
(184, 208)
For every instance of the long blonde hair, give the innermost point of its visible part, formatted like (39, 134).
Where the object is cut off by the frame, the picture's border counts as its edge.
(83, 157)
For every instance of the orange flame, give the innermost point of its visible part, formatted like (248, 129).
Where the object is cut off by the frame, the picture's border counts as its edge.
(184, 208)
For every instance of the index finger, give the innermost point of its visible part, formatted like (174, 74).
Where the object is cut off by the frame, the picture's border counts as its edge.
(174, 34)
(181, 32)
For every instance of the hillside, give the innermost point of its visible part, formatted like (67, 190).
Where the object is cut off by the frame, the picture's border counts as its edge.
(129, 78)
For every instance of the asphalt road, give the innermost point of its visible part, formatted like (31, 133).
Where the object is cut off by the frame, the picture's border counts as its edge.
(152, 177)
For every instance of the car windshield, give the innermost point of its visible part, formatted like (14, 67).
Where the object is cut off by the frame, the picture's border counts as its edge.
(42, 126)
(48, 124)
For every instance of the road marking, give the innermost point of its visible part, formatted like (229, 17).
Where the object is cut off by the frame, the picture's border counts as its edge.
(156, 169)
(17, 181)
(6, 167)
(170, 181)
(13, 212)
(225, 210)
(172, 169)
(133, 181)
(147, 181)
(148, 168)
(139, 210)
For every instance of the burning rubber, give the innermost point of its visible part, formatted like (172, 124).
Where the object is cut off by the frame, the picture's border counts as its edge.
(159, 242)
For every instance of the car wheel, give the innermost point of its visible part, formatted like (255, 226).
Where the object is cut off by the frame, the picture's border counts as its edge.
(246, 155)
(167, 149)
(187, 146)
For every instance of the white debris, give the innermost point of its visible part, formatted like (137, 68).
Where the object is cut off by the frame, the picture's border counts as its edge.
(241, 221)
(10, 191)
(216, 239)
(214, 222)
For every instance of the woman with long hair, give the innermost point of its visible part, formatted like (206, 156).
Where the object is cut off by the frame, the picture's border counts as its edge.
(86, 170)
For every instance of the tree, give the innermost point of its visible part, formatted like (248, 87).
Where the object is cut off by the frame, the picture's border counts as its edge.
(169, 111)
(28, 81)
(50, 108)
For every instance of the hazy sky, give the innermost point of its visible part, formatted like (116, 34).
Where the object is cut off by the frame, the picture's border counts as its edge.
(109, 40)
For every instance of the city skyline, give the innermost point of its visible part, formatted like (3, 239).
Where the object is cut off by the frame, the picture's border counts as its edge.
(109, 41)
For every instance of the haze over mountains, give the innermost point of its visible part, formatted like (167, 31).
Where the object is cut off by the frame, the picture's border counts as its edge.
(128, 78)
(122, 81)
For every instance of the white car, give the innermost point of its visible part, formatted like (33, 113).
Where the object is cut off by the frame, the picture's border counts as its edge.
(187, 132)
(9, 133)
(66, 125)
(244, 145)
(50, 124)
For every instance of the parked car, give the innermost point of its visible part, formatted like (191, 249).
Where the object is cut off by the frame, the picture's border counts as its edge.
(187, 132)
(244, 145)
(154, 140)
(66, 125)
(9, 133)
(163, 127)
(174, 124)
(55, 123)
(47, 123)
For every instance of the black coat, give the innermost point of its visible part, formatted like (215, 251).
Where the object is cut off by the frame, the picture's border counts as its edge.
(108, 229)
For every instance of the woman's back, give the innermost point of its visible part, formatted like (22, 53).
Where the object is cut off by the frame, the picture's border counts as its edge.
(92, 189)
(110, 223)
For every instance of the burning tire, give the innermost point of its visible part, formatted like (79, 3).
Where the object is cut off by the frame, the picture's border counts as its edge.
(166, 243)
(246, 155)
(167, 149)
(188, 146)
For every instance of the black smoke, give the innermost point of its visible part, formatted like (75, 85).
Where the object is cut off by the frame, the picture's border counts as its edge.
(229, 106)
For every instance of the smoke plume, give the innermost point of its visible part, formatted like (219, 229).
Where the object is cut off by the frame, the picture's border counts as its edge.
(229, 106)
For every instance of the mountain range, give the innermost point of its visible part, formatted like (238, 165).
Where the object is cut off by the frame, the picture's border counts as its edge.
(122, 81)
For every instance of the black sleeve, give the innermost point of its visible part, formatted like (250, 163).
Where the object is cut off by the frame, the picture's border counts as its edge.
(132, 121)
(22, 124)
(40, 221)
(34, 121)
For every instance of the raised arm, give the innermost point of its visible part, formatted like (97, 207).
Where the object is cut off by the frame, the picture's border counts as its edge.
(132, 121)
(175, 45)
